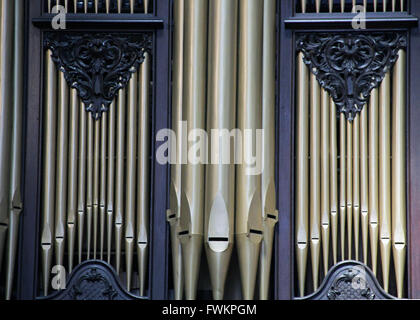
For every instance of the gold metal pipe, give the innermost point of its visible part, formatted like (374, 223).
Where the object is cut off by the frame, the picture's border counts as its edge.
(302, 171)
(81, 188)
(353, 5)
(75, 6)
(384, 4)
(393, 5)
(270, 213)
(365, 5)
(303, 5)
(374, 176)
(6, 117)
(48, 189)
(173, 213)
(130, 181)
(61, 168)
(249, 227)
(315, 178)
(96, 6)
(119, 5)
(86, 6)
(146, 6)
(402, 5)
(343, 5)
(143, 175)
(103, 182)
(343, 202)
(111, 178)
(364, 181)
(72, 176)
(317, 6)
(399, 225)
(89, 183)
(349, 189)
(15, 198)
(220, 177)
(356, 184)
(175, 195)
(131, 6)
(192, 198)
(333, 180)
(96, 168)
(385, 177)
(375, 5)
(325, 177)
(119, 176)
(330, 5)
(107, 3)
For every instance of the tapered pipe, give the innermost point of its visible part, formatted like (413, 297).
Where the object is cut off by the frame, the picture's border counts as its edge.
(111, 178)
(107, 3)
(103, 184)
(72, 176)
(325, 177)
(15, 204)
(220, 177)
(375, 5)
(61, 168)
(174, 212)
(119, 5)
(402, 5)
(96, 6)
(303, 5)
(385, 177)
(6, 117)
(399, 225)
(317, 6)
(333, 180)
(143, 175)
(249, 227)
(132, 6)
(374, 176)
(130, 180)
(393, 4)
(48, 188)
(330, 5)
(96, 168)
(192, 198)
(86, 6)
(89, 183)
(364, 181)
(384, 3)
(343, 202)
(343, 5)
(356, 183)
(270, 213)
(349, 188)
(302, 172)
(146, 6)
(119, 177)
(81, 181)
(315, 178)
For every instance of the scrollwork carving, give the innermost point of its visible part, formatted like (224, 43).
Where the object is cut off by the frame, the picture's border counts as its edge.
(98, 65)
(350, 65)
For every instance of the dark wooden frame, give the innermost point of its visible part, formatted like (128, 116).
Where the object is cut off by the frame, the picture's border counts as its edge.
(37, 22)
(27, 269)
(284, 262)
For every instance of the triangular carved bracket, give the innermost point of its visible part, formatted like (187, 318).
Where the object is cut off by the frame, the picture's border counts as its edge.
(98, 65)
(350, 65)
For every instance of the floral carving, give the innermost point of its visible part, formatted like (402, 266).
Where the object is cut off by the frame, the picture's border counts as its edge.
(98, 65)
(350, 65)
